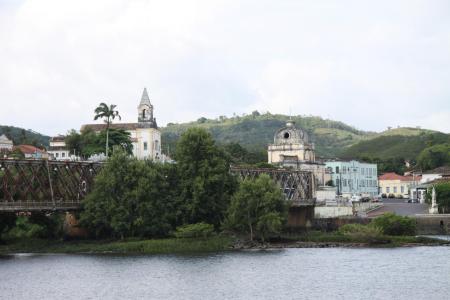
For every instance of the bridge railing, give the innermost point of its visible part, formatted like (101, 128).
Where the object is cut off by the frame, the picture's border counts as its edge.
(298, 186)
(34, 184)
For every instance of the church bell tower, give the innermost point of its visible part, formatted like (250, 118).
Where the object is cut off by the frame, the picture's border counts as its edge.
(145, 112)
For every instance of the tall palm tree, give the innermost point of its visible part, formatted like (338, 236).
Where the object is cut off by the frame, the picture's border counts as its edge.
(108, 113)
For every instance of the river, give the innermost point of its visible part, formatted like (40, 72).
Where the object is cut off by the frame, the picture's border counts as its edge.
(314, 273)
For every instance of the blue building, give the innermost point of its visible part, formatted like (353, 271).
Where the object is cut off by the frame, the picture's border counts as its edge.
(354, 178)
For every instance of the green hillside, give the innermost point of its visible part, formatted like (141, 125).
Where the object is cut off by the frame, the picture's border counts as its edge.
(23, 136)
(256, 131)
(388, 146)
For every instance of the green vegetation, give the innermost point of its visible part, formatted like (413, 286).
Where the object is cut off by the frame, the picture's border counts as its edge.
(204, 181)
(434, 156)
(319, 238)
(392, 224)
(88, 142)
(429, 149)
(194, 230)
(258, 208)
(131, 198)
(254, 132)
(130, 246)
(21, 136)
(135, 198)
(108, 113)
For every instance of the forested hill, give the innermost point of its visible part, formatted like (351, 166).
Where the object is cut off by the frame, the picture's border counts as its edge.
(23, 136)
(256, 131)
(396, 144)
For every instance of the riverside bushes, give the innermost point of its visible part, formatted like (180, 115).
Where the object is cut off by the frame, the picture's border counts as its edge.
(392, 224)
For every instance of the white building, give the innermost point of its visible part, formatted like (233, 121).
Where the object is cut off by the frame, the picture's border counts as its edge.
(292, 148)
(58, 149)
(145, 136)
(354, 178)
(5, 144)
(438, 173)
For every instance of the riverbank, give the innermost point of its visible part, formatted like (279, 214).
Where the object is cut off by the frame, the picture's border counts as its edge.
(130, 246)
(212, 244)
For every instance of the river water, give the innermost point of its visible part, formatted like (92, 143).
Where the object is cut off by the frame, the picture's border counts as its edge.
(314, 273)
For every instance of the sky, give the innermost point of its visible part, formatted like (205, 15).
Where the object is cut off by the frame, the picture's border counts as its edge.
(370, 64)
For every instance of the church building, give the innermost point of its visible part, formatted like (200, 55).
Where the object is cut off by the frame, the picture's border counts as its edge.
(145, 135)
(292, 148)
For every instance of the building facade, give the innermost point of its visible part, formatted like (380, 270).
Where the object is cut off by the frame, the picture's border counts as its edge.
(58, 149)
(6, 144)
(145, 135)
(32, 152)
(292, 148)
(397, 185)
(354, 178)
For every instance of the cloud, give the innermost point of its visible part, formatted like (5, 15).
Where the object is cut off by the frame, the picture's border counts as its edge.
(368, 64)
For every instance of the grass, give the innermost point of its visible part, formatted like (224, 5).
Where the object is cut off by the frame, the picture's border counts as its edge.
(381, 240)
(132, 246)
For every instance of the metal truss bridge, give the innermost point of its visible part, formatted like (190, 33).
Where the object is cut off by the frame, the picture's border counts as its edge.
(298, 186)
(41, 185)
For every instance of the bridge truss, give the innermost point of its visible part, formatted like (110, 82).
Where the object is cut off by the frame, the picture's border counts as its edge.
(298, 186)
(28, 185)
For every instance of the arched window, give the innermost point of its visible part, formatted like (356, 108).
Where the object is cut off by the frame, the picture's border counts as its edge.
(143, 114)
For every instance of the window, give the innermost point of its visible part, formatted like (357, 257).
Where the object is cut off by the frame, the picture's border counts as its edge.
(388, 189)
(56, 154)
(157, 145)
(402, 188)
(337, 170)
(395, 189)
(63, 154)
(145, 146)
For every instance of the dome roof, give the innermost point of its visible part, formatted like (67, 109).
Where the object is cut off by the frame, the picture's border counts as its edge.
(291, 135)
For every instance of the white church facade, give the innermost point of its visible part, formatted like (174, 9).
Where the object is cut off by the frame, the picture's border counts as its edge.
(145, 135)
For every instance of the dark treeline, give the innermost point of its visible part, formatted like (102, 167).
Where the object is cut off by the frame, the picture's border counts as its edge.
(135, 198)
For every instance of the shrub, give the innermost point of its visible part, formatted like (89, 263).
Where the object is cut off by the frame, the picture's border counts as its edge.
(391, 196)
(400, 197)
(25, 229)
(383, 195)
(361, 232)
(392, 224)
(194, 230)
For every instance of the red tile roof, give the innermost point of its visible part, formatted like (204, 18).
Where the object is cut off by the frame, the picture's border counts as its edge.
(100, 127)
(29, 149)
(394, 176)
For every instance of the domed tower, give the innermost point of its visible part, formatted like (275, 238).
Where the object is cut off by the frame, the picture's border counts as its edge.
(145, 112)
(291, 147)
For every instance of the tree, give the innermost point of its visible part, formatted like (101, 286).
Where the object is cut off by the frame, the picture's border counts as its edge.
(434, 156)
(108, 113)
(88, 142)
(73, 141)
(258, 208)
(206, 184)
(131, 198)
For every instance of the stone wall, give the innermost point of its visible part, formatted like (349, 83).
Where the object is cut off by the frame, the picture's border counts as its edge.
(433, 224)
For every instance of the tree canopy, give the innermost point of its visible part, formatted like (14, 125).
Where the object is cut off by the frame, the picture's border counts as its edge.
(258, 208)
(206, 184)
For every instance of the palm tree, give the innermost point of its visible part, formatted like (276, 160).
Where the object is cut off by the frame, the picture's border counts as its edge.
(108, 113)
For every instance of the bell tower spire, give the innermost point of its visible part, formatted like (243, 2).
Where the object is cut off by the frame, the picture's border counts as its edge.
(145, 111)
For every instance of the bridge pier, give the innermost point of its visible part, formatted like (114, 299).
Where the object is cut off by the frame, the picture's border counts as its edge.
(71, 227)
(301, 216)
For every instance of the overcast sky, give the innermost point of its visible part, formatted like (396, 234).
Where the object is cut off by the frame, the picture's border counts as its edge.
(371, 64)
